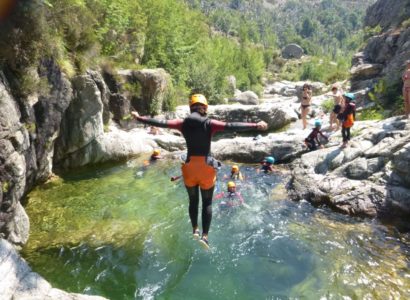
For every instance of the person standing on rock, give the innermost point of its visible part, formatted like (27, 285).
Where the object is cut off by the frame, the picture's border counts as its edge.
(406, 89)
(347, 117)
(305, 103)
(198, 170)
(338, 107)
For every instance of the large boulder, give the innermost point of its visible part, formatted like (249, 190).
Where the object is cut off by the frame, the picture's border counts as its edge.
(18, 281)
(246, 98)
(83, 121)
(154, 88)
(292, 51)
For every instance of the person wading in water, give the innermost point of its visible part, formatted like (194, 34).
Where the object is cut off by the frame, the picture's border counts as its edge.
(199, 170)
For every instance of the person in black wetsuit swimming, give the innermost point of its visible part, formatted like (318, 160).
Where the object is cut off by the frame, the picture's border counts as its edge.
(198, 170)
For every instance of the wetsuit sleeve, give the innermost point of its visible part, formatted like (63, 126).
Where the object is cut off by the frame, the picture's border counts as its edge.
(219, 196)
(231, 126)
(173, 124)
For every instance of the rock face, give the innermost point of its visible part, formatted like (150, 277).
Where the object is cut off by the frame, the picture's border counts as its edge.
(276, 115)
(383, 56)
(292, 51)
(370, 178)
(18, 281)
(29, 127)
(155, 85)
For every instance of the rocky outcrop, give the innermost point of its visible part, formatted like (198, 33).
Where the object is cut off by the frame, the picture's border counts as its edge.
(387, 13)
(154, 85)
(18, 281)
(276, 115)
(369, 178)
(384, 54)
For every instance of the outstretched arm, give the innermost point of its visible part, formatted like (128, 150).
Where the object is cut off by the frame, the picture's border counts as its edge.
(237, 126)
(173, 124)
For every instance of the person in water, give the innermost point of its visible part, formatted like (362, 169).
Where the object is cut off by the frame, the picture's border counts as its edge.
(267, 164)
(347, 116)
(156, 154)
(305, 103)
(199, 169)
(313, 141)
(230, 198)
(406, 89)
(235, 173)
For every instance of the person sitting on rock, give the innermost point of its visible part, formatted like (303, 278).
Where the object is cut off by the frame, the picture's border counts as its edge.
(230, 198)
(313, 141)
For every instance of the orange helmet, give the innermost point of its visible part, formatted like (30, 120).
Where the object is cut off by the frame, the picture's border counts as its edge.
(235, 168)
(231, 184)
(156, 152)
(198, 98)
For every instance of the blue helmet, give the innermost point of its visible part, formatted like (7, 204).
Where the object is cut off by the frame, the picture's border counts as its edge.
(270, 159)
(349, 96)
(318, 123)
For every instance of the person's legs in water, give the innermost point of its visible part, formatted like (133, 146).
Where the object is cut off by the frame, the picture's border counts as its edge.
(193, 194)
(206, 211)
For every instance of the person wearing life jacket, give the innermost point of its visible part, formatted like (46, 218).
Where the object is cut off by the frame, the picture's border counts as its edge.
(313, 141)
(347, 116)
(230, 198)
(199, 169)
(267, 164)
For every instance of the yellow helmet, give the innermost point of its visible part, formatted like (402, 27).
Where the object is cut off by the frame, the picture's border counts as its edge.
(156, 152)
(231, 184)
(198, 98)
(235, 168)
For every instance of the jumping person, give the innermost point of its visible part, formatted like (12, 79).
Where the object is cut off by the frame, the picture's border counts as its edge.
(406, 89)
(198, 171)
(347, 116)
(313, 141)
(305, 103)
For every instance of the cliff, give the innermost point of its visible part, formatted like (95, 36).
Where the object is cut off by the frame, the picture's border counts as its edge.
(382, 59)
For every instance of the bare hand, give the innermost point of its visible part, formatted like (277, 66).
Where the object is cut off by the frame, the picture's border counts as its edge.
(262, 125)
(134, 114)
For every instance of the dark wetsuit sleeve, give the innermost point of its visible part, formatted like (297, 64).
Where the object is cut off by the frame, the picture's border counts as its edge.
(173, 124)
(231, 126)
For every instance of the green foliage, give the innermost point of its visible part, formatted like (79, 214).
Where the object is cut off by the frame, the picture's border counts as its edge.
(373, 113)
(327, 105)
(406, 23)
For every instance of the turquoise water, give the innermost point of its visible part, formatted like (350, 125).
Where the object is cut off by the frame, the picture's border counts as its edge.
(124, 233)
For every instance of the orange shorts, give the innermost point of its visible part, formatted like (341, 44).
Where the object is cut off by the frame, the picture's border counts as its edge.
(198, 172)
